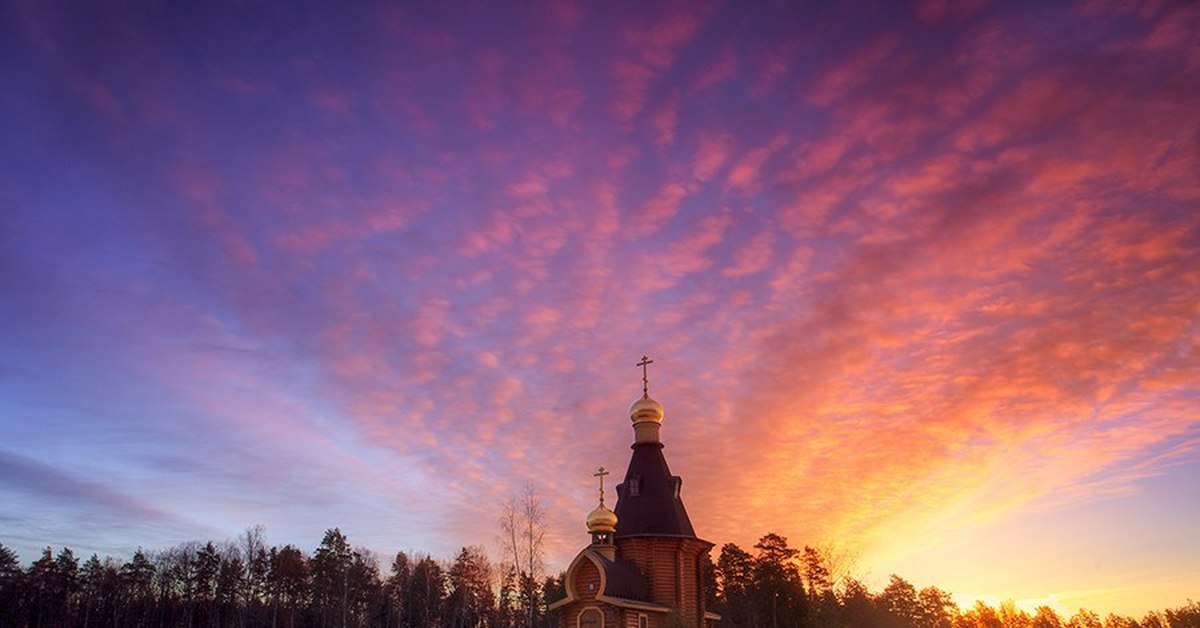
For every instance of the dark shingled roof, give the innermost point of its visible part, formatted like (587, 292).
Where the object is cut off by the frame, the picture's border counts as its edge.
(656, 508)
(623, 579)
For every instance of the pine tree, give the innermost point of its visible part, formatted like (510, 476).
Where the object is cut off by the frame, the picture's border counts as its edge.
(470, 602)
(778, 587)
(288, 582)
(330, 579)
(10, 586)
(735, 576)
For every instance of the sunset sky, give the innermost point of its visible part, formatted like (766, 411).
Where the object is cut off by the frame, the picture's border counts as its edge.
(921, 283)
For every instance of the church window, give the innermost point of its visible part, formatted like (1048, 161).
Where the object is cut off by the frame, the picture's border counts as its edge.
(643, 621)
(591, 618)
(635, 486)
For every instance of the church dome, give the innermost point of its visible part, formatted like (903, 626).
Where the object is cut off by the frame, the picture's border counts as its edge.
(646, 409)
(602, 520)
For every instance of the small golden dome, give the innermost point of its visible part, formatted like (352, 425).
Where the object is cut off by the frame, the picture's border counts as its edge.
(602, 520)
(646, 409)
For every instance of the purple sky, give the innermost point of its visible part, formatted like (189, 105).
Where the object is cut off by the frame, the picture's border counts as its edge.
(921, 282)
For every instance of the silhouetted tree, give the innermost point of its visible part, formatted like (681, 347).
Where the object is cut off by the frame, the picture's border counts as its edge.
(553, 588)
(735, 579)
(899, 598)
(426, 595)
(1045, 617)
(816, 574)
(470, 602)
(985, 616)
(367, 599)
(230, 583)
(396, 588)
(708, 581)
(522, 528)
(288, 578)
(1112, 620)
(255, 585)
(40, 582)
(137, 575)
(1154, 619)
(508, 601)
(935, 609)
(202, 584)
(1011, 616)
(10, 586)
(818, 579)
(779, 591)
(174, 584)
(1186, 616)
(1084, 618)
(858, 606)
(331, 580)
(98, 584)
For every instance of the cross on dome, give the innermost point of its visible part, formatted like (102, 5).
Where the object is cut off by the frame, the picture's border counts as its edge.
(600, 474)
(645, 381)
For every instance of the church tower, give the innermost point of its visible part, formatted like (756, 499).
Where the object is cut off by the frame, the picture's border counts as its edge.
(643, 567)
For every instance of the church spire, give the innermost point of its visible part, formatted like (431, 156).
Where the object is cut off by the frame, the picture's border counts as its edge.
(646, 413)
(601, 522)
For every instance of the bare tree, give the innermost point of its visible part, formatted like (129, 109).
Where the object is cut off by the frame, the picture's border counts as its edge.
(522, 528)
(255, 592)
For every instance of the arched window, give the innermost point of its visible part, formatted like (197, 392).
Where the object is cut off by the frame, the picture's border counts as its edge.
(591, 618)
(643, 620)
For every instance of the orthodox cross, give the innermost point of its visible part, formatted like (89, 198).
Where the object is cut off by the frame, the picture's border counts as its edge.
(645, 382)
(600, 474)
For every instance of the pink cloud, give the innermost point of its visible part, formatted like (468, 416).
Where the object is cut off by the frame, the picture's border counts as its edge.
(659, 209)
(632, 81)
(664, 123)
(711, 152)
(202, 190)
(690, 254)
(332, 100)
(100, 98)
(653, 48)
(744, 173)
(754, 257)
(543, 316)
(855, 71)
(936, 11)
(723, 68)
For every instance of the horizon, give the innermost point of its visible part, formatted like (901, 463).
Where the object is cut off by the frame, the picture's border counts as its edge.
(920, 282)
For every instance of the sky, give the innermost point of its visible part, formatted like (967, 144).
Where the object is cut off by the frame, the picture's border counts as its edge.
(921, 283)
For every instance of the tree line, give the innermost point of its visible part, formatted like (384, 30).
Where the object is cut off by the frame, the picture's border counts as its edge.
(781, 586)
(244, 583)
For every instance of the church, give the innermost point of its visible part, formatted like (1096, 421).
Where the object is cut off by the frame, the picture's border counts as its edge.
(643, 566)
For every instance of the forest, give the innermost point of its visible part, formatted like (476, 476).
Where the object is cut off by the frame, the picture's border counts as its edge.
(243, 583)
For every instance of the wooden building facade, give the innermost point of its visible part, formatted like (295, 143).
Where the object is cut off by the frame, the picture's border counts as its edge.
(643, 568)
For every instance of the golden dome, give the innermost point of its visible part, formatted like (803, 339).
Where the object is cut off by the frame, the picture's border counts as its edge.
(602, 520)
(646, 409)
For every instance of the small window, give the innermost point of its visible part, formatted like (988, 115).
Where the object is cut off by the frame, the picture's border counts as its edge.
(635, 486)
(643, 621)
(591, 618)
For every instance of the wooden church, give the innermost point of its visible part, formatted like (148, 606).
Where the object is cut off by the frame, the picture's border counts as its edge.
(643, 567)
